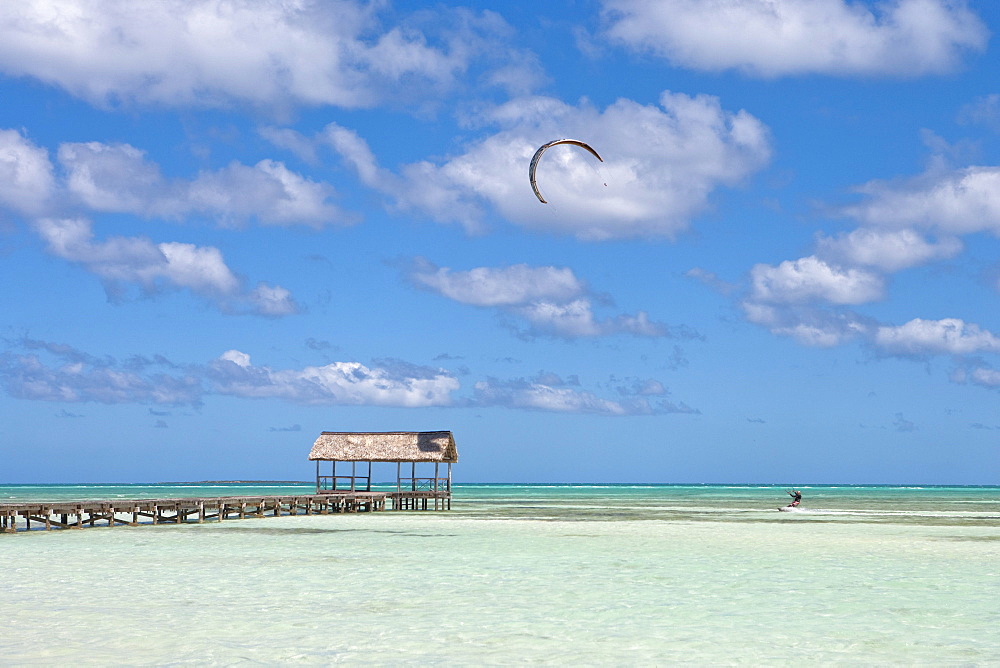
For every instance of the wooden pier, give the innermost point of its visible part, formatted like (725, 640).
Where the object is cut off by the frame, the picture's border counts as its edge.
(133, 512)
(334, 493)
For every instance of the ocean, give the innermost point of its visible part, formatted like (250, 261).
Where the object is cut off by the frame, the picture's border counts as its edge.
(519, 574)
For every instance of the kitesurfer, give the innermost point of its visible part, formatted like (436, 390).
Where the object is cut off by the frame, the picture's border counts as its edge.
(796, 498)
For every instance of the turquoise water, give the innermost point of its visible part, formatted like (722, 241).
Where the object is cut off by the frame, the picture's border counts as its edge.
(584, 575)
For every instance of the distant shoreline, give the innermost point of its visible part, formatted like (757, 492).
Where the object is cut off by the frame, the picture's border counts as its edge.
(525, 484)
(175, 482)
(229, 482)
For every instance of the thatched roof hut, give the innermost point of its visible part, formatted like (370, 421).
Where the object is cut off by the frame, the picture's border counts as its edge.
(410, 447)
(391, 446)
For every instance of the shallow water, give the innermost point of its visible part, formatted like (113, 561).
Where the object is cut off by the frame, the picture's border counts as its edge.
(524, 574)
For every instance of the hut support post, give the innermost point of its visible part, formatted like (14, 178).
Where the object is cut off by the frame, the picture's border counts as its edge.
(413, 476)
(369, 488)
(354, 469)
(335, 475)
(317, 476)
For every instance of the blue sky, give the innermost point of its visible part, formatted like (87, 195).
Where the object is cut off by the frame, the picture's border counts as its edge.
(226, 227)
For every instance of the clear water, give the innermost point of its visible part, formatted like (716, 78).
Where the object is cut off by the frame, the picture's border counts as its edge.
(590, 575)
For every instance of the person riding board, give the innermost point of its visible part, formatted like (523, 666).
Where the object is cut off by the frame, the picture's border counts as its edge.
(796, 498)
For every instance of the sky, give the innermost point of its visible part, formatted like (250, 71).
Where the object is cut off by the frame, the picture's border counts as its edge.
(226, 227)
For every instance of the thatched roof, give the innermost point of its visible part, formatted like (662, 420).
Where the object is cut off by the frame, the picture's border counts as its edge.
(393, 446)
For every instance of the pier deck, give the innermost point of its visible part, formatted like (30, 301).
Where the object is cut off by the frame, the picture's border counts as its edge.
(132, 512)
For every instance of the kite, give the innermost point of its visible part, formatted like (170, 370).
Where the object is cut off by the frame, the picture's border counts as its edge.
(538, 155)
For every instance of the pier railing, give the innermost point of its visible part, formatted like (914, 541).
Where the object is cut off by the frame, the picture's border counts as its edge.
(425, 484)
(331, 483)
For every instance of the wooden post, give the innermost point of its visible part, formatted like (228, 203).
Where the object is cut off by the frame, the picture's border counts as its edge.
(413, 476)
(334, 487)
(317, 476)
(369, 476)
(435, 485)
(354, 473)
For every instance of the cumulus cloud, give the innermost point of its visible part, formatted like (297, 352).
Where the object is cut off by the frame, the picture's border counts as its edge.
(905, 223)
(339, 383)
(772, 38)
(950, 336)
(547, 392)
(810, 279)
(119, 178)
(44, 371)
(808, 324)
(26, 177)
(661, 163)
(270, 53)
(947, 202)
(121, 262)
(886, 250)
(500, 286)
(985, 376)
(53, 372)
(552, 299)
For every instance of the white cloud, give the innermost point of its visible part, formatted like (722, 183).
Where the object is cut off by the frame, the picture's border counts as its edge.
(212, 53)
(788, 37)
(537, 396)
(55, 372)
(795, 298)
(119, 178)
(661, 163)
(290, 140)
(810, 279)
(272, 300)
(339, 383)
(983, 110)
(985, 376)
(26, 179)
(124, 261)
(201, 269)
(552, 299)
(950, 336)
(575, 319)
(548, 392)
(572, 319)
(809, 326)
(711, 279)
(501, 286)
(956, 202)
(52, 372)
(886, 250)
